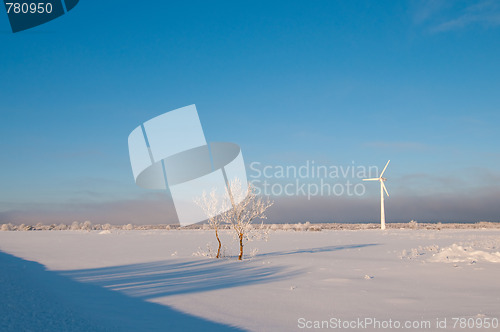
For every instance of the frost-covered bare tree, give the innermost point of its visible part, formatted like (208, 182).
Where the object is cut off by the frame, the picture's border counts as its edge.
(213, 207)
(250, 207)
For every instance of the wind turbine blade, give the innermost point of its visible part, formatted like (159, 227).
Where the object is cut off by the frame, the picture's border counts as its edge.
(385, 168)
(374, 179)
(385, 189)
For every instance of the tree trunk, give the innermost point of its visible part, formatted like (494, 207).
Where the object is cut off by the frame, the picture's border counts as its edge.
(218, 250)
(241, 247)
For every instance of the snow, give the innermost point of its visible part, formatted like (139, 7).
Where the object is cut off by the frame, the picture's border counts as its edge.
(456, 253)
(34, 299)
(161, 280)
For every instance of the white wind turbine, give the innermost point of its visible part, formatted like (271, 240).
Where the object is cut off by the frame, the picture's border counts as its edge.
(382, 189)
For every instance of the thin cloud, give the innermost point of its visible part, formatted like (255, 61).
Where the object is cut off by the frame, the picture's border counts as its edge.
(397, 145)
(486, 19)
(441, 16)
(470, 179)
(425, 10)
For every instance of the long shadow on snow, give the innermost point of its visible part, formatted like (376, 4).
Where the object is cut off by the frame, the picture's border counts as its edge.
(151, 280)
(316, 250)
(155, 279)
(35, 299)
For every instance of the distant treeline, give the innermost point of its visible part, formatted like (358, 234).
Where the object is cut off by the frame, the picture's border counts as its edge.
(307, 226)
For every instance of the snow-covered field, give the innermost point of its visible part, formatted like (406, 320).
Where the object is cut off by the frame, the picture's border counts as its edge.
(159, 280)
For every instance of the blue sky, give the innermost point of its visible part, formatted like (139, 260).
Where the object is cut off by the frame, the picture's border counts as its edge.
(416, 82)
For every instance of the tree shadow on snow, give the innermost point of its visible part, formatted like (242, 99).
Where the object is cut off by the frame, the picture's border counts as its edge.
(316, 250)
(35, 299)
(172, 277)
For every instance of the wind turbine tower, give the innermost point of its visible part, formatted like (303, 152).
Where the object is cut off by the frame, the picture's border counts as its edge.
(382, 189)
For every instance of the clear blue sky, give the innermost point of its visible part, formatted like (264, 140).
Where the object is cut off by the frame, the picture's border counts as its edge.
(417, 82)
